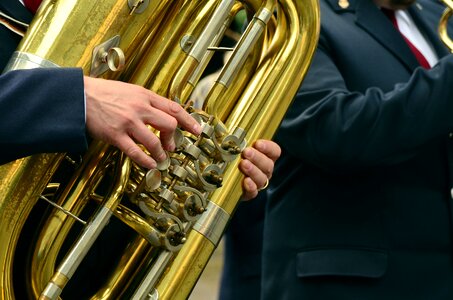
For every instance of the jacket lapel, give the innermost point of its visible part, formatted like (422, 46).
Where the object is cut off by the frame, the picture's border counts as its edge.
(372, 20)
(375, 23)
(431, 33)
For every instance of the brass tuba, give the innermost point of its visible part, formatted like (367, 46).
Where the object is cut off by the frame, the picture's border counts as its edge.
(174, 215)
(443, 24)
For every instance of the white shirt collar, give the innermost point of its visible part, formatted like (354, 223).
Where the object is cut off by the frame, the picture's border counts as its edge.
(410, 30)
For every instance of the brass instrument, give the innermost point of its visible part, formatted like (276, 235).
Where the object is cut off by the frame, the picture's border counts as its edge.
(443, 24)
(177, 211)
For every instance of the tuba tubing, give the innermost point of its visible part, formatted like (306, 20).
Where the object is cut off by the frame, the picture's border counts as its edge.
(443, 24)
(165, 46)
(257, 111)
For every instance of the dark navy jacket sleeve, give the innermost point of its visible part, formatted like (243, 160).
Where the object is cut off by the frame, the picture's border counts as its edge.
(343, 127)
(362, 192)
(43, 110)
(354, 125)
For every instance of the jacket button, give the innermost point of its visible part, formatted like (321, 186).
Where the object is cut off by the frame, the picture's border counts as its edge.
(450, 135)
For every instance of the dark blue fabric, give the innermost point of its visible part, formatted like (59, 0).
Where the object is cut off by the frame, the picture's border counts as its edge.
(241, 274)
(43, 110)
(8, 39)
(366, 166)
(341, 262)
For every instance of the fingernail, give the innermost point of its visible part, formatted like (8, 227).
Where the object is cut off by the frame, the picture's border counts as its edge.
(247, 153)
(162, 156)
(152, 165)
(172, 146)
(250, 186)
(260, 145)
(247, 165)
(197, 128)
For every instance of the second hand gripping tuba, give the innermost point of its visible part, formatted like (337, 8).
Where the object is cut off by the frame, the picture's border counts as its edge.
(174, 215)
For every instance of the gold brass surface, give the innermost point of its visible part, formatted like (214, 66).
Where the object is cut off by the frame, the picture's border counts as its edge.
(443, 24)
(343, 3)
(164, 42)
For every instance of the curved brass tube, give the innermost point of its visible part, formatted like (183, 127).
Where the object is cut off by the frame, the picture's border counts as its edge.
(443, 24)
(178, 212)
(257, 118)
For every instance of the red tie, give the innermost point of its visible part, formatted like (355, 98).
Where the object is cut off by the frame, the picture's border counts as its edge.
(421, 59)
(32, 5)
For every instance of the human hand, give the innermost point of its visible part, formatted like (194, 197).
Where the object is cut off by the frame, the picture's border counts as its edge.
(257, 165)
(118, 113)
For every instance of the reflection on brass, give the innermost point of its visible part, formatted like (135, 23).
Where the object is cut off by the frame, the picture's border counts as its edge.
(443, 24)
(178, 212)
(343, 3)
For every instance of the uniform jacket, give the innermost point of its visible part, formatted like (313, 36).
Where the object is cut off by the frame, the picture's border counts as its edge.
(42, 110)
(241, 272)
(360, 204)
